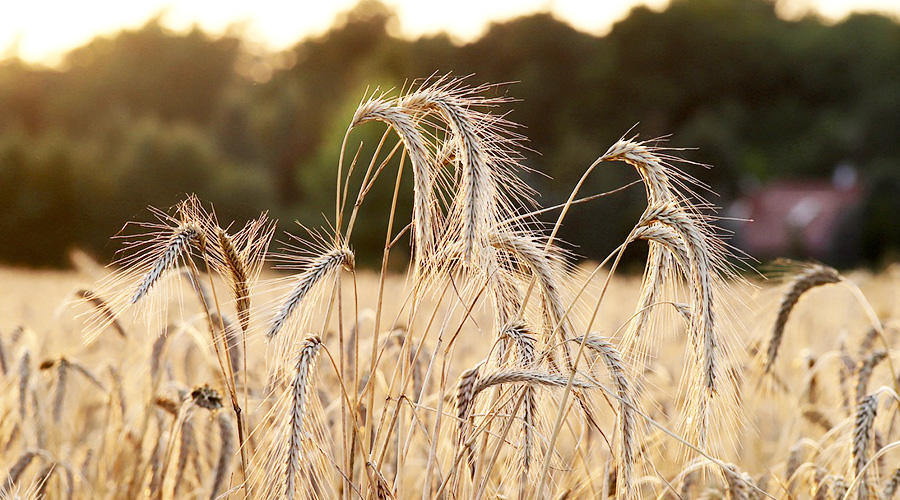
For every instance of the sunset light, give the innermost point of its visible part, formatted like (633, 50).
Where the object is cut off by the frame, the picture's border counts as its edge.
(43, 31)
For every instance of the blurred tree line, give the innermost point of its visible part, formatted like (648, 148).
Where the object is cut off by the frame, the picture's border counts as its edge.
(147, 115)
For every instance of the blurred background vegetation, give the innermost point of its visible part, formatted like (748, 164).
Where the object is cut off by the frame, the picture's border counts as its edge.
(143, 117)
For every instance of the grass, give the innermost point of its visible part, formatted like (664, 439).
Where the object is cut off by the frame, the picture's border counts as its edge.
(495, 368)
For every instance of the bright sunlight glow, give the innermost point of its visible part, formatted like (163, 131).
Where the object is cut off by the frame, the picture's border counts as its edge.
(44, 30)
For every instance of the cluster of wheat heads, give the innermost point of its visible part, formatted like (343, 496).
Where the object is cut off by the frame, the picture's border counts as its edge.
(840, 439)
(479, 375)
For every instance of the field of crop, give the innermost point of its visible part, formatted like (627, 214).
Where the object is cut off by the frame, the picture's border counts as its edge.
(494, 368)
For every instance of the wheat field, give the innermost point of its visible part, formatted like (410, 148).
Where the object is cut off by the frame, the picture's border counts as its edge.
(200, 364)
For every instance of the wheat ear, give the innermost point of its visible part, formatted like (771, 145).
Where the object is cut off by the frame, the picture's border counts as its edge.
(890, 488)
(663, 183)
(186, 447)
(545, 265)
(862, 439)
(815, 275)
(865, 373)
(627, 424)
(318, 268)
(525, 358)
(178, 244)
(62, 372)
(485, 150)
(737, 483)
(300, 387)
(226, 450)
(15, 472)
(477, 194)
(465, 403)
(378, 108)
(238, 278)
(692, 232)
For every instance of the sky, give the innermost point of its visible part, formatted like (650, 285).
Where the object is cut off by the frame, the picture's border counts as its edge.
(42, 31)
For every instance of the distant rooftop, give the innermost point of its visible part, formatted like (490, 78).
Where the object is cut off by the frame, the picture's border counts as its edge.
(806, 219)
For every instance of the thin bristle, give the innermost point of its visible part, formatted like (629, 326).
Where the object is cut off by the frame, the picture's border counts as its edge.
(103, 307)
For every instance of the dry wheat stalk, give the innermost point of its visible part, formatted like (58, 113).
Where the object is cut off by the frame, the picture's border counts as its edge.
(814, 275)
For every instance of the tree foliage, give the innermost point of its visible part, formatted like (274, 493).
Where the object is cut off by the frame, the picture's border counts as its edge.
(145, 115)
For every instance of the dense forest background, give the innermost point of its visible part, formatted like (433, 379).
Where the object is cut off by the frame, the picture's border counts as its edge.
(144, 116)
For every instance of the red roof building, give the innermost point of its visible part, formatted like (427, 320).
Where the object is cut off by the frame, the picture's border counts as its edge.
(801, 219)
